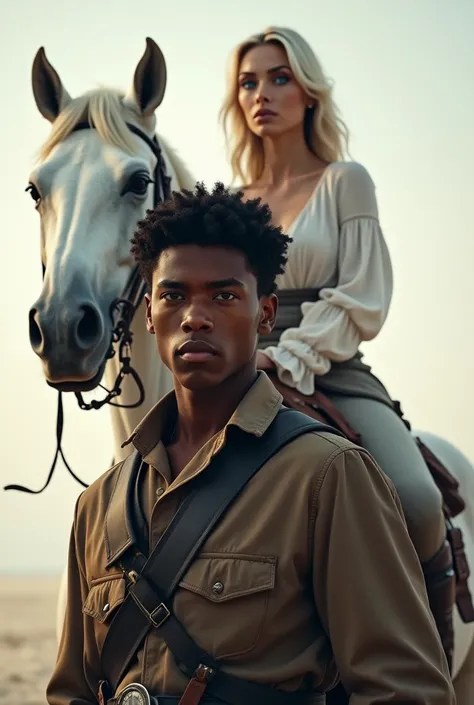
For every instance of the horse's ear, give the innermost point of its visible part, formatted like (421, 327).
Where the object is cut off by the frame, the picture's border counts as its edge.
(48, 90)
(149, 80)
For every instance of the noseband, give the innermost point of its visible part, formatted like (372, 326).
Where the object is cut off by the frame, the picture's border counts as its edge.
(122, 312)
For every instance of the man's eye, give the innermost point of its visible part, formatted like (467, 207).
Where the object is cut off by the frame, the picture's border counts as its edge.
(172, 296)
(226, 296)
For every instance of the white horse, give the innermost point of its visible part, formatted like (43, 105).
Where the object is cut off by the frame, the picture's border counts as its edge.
(90, 189)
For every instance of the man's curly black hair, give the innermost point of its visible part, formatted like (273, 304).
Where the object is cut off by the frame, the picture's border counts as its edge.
(217, 218)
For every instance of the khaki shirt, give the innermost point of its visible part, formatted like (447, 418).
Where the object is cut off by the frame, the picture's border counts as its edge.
(310, 573)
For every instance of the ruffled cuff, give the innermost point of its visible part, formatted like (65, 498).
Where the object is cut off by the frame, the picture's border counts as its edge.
(297, 364)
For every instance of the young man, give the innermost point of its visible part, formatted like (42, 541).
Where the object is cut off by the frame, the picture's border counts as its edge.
(308, 575)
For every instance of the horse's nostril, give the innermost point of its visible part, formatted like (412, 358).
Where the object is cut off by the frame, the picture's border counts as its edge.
(89, 328)
(36, 336)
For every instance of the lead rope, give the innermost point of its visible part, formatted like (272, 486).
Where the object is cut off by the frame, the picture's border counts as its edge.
(59, 453)
(123, 337)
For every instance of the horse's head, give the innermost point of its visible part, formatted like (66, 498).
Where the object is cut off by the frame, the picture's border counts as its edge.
(90, 188)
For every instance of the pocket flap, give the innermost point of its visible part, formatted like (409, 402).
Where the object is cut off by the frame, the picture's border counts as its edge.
(105, 595)
(220, 577)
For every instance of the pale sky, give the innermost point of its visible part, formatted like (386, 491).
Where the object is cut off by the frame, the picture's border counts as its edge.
(404, 77)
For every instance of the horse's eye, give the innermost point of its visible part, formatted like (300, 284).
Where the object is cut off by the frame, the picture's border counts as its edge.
(137, 184)
(34, 193)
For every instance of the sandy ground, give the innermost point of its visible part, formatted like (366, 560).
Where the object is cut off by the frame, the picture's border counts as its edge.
(27, 638)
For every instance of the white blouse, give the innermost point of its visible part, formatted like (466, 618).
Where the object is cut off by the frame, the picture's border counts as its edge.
(337, 246)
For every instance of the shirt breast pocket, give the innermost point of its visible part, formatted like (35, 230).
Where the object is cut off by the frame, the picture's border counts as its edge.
(102, 602)
(222, 601)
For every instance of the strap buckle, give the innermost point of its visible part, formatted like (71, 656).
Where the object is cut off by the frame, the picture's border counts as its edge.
(133, 576)
(158, 616)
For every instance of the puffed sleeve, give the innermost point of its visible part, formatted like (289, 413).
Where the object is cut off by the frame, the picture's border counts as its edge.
(356, 308)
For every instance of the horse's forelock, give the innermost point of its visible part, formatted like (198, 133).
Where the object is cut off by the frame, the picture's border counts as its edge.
(102, 108)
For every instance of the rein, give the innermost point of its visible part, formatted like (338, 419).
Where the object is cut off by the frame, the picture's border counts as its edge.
(122, 312)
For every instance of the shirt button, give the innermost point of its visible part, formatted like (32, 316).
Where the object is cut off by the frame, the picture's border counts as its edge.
(159, 491)
(218, 588)
(106, 607)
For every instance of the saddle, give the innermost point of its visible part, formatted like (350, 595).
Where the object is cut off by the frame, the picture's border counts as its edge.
(318, 407)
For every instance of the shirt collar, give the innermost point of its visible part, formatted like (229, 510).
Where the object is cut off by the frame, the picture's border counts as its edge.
(254, 414)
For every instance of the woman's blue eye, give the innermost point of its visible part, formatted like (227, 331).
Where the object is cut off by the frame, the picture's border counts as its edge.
(249, 84)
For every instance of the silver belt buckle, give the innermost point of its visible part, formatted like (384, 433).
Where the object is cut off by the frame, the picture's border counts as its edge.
(134, 694)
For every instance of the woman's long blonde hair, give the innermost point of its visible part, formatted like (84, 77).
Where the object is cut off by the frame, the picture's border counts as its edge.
(326, 134)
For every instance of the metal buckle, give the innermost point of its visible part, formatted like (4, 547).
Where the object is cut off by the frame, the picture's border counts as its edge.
(204, 673)
(134, 694)
(133, 576)
(159, 615)
(165, 613)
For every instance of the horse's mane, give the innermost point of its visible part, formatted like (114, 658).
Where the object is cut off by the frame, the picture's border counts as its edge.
(104, 108)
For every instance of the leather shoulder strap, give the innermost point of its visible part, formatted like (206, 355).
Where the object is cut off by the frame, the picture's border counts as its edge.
(148, 603)
(119, 532)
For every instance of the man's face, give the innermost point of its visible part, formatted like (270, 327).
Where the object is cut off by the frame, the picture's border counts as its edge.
(205, 313)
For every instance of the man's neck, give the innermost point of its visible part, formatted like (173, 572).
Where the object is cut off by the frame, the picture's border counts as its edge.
(203, 413)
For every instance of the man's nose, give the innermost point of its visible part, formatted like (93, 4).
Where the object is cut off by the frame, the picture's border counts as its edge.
(196, 319)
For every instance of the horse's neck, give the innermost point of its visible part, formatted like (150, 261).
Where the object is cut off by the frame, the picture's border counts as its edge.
(155, 376)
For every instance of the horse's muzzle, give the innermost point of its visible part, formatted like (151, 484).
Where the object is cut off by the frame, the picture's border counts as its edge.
(72, 343)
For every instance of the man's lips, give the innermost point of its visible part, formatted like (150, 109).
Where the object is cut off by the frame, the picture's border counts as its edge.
(196, 351)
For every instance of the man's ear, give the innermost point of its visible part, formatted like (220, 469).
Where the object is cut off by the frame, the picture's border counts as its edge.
(268, 313)
(149, 323)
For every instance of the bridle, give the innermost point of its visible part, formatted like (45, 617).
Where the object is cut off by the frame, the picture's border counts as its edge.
(122, 312)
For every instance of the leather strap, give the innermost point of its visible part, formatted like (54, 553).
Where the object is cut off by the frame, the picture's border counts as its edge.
(153, 581)
(462, 571)
(316, 405)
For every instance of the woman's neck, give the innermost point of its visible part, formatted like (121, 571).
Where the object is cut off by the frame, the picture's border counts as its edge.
(287, 157)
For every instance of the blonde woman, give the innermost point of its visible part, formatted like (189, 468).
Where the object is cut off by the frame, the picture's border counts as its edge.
(287, 143)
